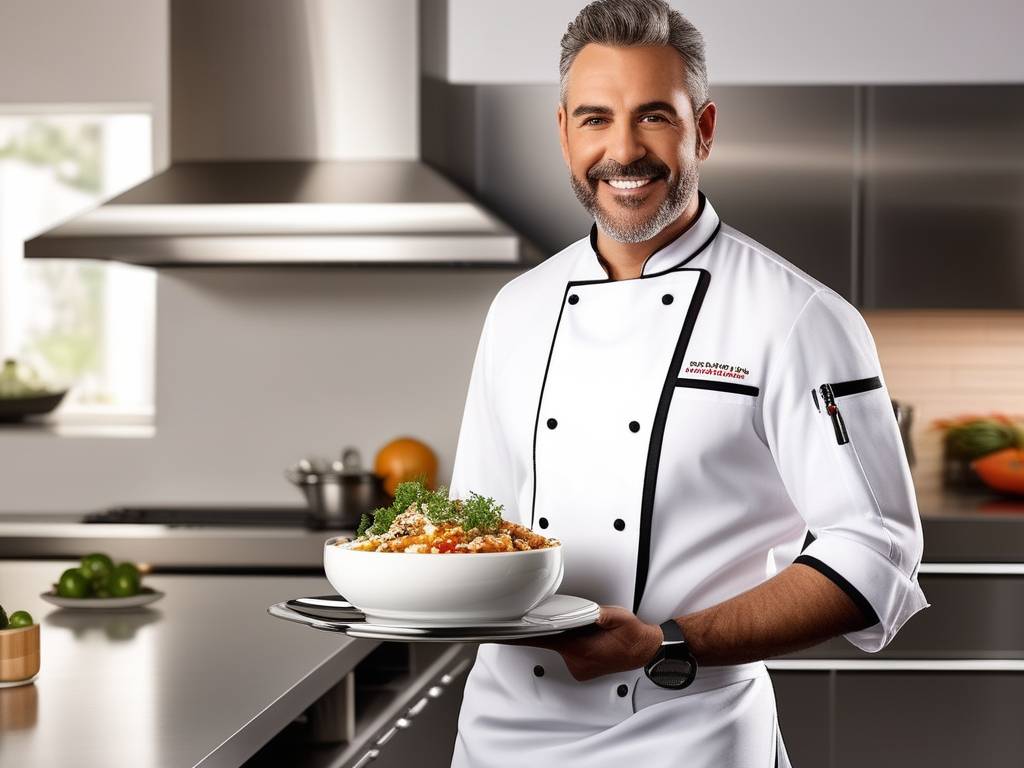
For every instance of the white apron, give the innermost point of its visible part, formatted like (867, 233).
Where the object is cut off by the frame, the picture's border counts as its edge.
(665, 430)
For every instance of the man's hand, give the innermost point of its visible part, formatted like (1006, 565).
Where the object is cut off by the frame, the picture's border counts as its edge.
(617, 642)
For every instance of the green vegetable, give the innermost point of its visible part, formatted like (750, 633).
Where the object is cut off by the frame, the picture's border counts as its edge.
(124, 580)
(17, 380)
(3, 618)
(979, 438)
(477, 513)
(73, 583)
(97, 567)
(481, 513)
(19, 619)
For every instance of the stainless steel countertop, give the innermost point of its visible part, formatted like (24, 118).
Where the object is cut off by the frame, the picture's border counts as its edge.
(966, 527)
(204, 677)
(253, 548)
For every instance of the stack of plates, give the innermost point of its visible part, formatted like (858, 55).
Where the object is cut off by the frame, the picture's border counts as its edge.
(334, 614)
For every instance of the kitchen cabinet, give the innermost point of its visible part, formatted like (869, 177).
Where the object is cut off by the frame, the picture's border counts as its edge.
(897, 197)
(472, 41)
(942, 204)
(781, 172)
(944, 692)
(804, 703)
(407, 701)
(894, 719)
(937, 719)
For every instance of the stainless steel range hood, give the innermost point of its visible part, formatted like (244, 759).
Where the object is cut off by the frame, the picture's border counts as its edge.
(294, 140)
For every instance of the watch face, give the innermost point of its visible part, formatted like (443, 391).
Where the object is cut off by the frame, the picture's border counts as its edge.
(672, 673)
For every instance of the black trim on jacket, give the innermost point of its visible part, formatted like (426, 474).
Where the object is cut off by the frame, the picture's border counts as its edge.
(701, 198)
(661, 415)
(840, 581)
(718, 386)
(658, 435)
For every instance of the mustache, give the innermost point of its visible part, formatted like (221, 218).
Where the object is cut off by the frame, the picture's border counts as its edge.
(638, 170)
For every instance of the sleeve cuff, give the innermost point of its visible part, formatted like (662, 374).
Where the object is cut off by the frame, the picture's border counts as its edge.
(883, 592)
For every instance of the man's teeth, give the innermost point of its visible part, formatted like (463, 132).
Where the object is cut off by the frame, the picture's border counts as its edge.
(628, 183)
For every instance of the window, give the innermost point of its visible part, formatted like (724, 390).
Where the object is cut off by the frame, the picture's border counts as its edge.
(88, 325)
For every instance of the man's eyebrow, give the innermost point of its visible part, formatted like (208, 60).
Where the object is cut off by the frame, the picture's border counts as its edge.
(649, 106)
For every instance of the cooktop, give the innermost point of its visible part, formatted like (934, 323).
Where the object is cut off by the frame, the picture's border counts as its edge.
(208, 515)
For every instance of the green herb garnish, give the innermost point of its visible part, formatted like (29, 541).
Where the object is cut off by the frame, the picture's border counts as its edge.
(478, 513)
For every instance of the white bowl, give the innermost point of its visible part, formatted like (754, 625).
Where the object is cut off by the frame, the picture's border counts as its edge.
(462, 589)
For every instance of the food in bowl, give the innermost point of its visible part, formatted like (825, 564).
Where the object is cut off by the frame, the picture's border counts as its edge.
(421, 521)
(384, 572)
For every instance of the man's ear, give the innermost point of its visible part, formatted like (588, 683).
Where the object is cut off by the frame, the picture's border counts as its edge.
(563, 133)
(706, 121)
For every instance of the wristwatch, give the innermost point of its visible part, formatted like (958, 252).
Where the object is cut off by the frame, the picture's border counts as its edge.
(674, 665)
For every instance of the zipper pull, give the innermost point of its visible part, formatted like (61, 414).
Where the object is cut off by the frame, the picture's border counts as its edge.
(842, 437)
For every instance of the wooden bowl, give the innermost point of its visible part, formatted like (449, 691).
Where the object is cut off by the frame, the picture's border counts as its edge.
(19, 653)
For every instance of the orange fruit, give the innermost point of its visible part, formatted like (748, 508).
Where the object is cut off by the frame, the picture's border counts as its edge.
(1002, 470)
(404, 459)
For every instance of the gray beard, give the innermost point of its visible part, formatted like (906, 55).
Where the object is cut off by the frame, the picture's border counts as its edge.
(637, 230)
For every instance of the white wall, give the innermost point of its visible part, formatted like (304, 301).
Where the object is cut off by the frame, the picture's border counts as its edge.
(787, 41)
(94, 51)
(258, 367)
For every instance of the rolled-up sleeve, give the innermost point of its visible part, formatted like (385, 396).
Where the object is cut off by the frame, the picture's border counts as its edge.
(845, 467)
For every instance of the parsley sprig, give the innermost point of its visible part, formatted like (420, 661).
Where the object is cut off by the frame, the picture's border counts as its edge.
(477, 513)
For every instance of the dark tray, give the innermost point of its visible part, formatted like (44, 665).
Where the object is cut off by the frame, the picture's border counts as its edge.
(17, 408)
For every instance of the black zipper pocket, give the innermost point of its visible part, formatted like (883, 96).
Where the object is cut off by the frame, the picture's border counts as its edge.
(719, 386)
(829, 393)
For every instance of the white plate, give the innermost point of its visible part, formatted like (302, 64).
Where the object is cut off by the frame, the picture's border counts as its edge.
(14, 683)
(103, 603)
(556, 614)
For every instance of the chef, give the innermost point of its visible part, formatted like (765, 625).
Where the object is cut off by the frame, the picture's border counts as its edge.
(705, 428)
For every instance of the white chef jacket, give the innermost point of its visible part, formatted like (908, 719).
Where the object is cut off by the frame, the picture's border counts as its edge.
(685, 435)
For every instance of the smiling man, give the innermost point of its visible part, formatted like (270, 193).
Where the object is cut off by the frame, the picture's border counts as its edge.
(634, 164)
(702, 425)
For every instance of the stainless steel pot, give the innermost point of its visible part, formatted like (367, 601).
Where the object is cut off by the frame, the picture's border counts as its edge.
(339, 492)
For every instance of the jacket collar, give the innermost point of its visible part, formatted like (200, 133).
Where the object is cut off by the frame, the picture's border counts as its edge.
(675, 253)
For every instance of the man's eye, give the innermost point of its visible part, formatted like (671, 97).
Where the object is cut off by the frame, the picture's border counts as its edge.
(659, 117)
(588, 121)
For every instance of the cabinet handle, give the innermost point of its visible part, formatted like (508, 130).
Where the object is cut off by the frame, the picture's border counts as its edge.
(368, 758)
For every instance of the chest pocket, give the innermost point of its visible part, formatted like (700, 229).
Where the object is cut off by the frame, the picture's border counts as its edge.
(711, 416)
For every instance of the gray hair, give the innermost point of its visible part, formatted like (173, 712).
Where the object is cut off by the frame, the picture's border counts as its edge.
(636, 23)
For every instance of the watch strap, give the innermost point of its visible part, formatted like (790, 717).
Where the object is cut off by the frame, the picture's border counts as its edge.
(672, 631)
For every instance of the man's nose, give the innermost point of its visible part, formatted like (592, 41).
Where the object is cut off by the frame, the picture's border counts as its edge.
(624, 143)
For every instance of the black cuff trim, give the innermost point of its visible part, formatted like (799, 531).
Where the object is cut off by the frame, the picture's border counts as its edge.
(869, 613)
(808, 540)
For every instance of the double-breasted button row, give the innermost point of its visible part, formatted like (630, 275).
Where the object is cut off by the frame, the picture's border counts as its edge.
(667, 299)
(634, 426)
(619, 524)
(622, 690)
